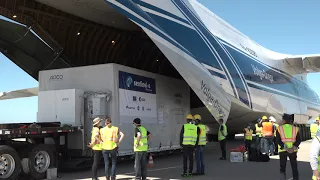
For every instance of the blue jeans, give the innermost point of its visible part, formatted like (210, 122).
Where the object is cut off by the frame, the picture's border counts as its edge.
(140, 165)
(113, 154)
(267, 144)
(200, 159)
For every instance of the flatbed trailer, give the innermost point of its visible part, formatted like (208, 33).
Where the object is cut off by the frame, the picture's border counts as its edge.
(30, 149)
(67, 106)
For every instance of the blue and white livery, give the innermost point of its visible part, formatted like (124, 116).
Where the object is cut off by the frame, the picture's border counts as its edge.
(230, 73)
(224, 67)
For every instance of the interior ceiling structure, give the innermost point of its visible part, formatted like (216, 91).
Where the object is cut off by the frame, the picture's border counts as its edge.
(76, 41)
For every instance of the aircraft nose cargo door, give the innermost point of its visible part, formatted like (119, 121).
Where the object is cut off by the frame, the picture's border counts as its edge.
(182, 43)
(201, 82)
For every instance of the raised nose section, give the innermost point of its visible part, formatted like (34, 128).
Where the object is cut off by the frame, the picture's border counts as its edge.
(170, 30)
(199, 79)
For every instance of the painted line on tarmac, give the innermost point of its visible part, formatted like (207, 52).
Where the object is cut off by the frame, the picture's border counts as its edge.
(290, 178)
(159, 169)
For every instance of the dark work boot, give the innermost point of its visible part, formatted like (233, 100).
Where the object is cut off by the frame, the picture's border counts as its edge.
(283, 176)
(184, 174)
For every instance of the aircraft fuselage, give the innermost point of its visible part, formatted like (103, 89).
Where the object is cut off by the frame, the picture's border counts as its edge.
(253, 79)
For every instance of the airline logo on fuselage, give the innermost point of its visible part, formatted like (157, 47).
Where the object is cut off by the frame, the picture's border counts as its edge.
(210, 98)
(261, 73)
(252, 52)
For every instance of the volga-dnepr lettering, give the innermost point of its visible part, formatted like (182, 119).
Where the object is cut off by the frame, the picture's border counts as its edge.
(206, 91)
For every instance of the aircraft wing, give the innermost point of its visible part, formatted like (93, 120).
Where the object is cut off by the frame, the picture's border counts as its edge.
(304, 63)
(29, 92)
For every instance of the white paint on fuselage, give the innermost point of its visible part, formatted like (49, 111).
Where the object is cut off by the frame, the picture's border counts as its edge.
(262, 101)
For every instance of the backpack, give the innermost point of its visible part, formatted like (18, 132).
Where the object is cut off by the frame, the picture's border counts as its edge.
(264, 158)
(256, 156)
(253, 155)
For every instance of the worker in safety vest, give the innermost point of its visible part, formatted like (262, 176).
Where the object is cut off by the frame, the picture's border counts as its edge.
(314, 127)
(222, 135)
(315, 157)
(288, 140)
(95, 145)
(248, 137)
(267, 135)
(140, 147)
(188, 139)
(110, 137)
(258, 134)
(201, 144)
(275, 126)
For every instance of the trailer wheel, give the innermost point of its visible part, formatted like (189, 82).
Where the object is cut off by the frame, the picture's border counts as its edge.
(25, 165)
(41, 158)
(10, 165)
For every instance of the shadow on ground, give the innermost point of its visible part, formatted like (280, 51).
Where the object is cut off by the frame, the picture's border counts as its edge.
(170, 167)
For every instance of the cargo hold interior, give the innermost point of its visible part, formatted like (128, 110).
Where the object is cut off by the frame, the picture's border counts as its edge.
(76, 42)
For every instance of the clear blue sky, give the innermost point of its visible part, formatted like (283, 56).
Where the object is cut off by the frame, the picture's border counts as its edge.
(287, 26)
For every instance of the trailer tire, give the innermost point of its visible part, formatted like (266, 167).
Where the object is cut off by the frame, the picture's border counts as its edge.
(41, 158)
(25, 165)
(8, 154)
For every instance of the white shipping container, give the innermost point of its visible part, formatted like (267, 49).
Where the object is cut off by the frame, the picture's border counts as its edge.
(160, 102)
(61, 106)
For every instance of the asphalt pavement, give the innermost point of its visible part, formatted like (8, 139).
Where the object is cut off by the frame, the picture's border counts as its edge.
(170, 167)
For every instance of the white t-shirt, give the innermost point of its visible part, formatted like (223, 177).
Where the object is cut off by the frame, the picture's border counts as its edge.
(314, 153)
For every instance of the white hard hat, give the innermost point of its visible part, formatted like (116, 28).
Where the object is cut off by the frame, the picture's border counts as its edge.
(272, 119)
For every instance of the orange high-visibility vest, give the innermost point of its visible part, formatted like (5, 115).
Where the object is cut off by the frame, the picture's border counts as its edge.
(267, 128)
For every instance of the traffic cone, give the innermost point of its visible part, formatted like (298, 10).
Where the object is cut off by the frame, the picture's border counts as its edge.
(150, 163)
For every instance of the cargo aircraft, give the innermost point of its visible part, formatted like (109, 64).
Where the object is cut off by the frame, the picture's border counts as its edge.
(232, 75)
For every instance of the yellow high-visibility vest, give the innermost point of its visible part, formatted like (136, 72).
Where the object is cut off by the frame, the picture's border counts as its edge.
(109, 136)
(248, 134)
(313, 130)
(288, 134)
(203, 135)
(258, 130)
(222, 135)
(189, 134)
(97, 146)
(143, 146)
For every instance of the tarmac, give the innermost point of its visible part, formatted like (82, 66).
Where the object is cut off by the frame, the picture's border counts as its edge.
(170, 167)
